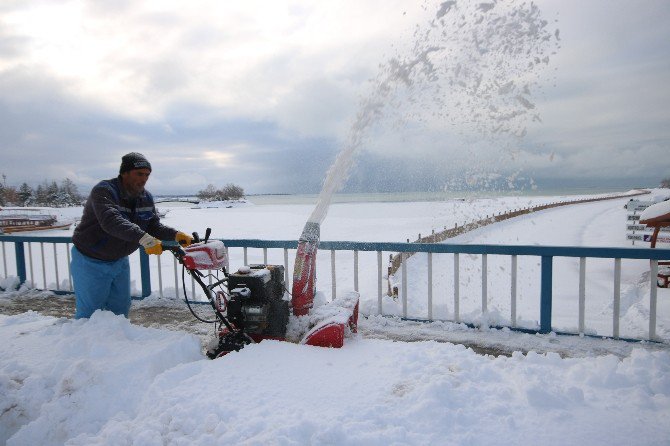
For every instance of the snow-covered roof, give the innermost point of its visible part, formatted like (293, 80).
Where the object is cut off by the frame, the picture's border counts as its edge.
(656, 213)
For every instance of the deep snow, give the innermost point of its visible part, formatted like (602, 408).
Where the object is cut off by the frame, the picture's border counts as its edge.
(105, 381)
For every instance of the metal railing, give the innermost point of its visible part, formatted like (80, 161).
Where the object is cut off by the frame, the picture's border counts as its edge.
(33, 271)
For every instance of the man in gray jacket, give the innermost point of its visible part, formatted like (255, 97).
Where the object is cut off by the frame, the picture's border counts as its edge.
(119, 216)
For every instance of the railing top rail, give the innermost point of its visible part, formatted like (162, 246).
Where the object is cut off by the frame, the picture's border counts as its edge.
(37, 239)
(522, 250)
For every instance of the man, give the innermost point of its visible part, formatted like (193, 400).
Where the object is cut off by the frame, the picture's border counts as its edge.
(119, 216)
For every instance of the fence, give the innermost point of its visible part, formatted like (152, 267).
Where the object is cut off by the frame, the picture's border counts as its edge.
(31, 270)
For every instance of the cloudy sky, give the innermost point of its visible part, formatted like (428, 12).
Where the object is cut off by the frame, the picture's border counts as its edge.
(264, 94)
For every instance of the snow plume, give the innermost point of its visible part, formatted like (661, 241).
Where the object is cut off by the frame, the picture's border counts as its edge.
(471, 65)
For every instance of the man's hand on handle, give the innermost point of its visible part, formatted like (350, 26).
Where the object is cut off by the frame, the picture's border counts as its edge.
(183, 239)
(151, 244)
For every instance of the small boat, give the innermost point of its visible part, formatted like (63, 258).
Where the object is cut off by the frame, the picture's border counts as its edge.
(29, 219)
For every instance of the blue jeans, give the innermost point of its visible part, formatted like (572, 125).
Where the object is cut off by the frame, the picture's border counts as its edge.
(100, 284)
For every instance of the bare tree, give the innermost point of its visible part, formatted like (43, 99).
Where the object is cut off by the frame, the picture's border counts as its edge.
(232, 192)
(208, 194)
(228, 192)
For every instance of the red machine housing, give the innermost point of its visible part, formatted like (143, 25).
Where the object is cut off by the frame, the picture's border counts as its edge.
(209, 255)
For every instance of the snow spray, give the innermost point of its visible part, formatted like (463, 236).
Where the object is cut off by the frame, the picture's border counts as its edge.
(477, 62)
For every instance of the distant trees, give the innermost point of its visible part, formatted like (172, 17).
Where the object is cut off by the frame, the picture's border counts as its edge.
(26, 195)
(3, 193)
(49, 194)
(665, 183)
(228, 192)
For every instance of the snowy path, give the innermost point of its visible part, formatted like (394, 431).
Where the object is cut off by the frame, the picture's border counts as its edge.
(579, 225)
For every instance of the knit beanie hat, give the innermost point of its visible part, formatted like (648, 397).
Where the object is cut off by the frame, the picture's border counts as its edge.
(133, 160)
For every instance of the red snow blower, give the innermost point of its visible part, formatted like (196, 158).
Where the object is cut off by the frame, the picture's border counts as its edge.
(252, 303)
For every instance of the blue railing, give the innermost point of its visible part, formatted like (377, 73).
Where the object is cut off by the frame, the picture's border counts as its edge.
(545, 253)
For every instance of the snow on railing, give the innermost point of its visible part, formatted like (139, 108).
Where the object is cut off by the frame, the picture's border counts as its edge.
(45, 272)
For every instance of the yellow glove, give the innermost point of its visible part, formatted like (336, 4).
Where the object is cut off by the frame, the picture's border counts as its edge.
(183, 239)
(155, 249)
(151, 245)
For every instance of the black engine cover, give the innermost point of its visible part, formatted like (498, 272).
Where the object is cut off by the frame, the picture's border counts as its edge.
(264, 311)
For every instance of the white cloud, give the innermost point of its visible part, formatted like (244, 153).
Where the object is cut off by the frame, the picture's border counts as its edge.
(245, 58)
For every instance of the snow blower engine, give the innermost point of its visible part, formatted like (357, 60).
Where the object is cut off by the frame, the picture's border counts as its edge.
(250, 305)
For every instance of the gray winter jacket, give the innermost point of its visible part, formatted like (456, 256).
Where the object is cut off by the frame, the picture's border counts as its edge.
(113, 222)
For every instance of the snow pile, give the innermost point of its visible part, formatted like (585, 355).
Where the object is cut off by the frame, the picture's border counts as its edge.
(656, 212)
(9, 283)
(11, 288)
(61, 378)
(323, 313)
(103, 381)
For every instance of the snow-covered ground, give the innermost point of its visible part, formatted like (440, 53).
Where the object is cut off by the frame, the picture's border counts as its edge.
(105, 381)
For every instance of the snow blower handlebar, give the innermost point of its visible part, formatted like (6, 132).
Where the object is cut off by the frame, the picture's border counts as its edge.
(176, 249)
(196, 237)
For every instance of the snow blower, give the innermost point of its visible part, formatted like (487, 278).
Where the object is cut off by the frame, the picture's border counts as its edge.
(252, 304)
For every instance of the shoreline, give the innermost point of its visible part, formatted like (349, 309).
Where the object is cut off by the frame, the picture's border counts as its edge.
(405, 197)
(402, 197)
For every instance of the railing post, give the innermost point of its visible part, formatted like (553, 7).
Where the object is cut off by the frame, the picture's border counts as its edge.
(356, 270)
(56, 267)
(653, 295)
(457, 297)
(44, 267)
(30, 263)
(160, 277)
(145, 272)
(333, 278)
(379, 282)
(404, 284)
(546, 294)
(4, 259)
(513, 285)
(20, 262)
(430, 286)
(176, 278)
(484, 283)
(582, 293)
(286, 278)
(69, 268)
(616, 309)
